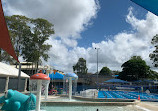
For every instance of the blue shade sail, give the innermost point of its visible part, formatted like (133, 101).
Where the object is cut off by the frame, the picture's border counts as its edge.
(150, 5)
(73, 75)
(116, 81)
(56, 76)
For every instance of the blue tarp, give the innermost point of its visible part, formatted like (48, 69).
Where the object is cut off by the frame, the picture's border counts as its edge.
(150, 5)
(116, 81)
(56, 76)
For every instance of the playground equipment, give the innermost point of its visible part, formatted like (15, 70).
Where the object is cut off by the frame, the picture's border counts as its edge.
(70, 83)
(16, 101)
(39, 82)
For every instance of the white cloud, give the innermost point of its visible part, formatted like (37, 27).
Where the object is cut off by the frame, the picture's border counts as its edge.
(113, 53)
(71, 17)
(125, 45)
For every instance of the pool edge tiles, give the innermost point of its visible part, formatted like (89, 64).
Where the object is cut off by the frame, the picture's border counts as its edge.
(103, 99)
(86, 103)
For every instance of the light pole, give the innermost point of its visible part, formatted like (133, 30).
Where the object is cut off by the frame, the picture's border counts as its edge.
(97, 65)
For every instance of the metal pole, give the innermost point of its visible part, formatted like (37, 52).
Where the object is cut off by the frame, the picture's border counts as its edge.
(19, 77)
(97, 68)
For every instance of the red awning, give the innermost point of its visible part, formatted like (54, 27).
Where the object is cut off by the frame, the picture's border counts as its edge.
(5, 41)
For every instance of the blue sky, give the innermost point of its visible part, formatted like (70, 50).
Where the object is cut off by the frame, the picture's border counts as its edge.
(120, 28)
(111, 19)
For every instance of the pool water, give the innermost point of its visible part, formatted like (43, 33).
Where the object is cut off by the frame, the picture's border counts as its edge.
(91, 108)
(127, 95)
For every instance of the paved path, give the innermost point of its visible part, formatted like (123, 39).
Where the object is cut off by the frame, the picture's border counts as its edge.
(149, 106)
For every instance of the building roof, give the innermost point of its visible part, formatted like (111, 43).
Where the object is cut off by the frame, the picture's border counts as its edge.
(29, 66)
(7, 70)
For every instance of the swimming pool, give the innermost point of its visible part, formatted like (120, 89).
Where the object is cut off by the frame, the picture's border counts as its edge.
(127, 95)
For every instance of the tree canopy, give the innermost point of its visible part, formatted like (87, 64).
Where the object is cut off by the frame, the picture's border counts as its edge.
(153, 75)
(105, 71)
(80, 67)
(29, 37)
(134, 69)
(154, 56)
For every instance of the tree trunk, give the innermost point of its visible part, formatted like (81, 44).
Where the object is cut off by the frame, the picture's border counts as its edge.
(32, 69)
(36, 67)
(0, 54)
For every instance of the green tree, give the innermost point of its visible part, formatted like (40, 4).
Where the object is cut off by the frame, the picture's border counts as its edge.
(154, 56)
(29, 37)
(18, 29)
(105, 71)
(42, 30)
(153, 75)
(134, 69)
(5, 57)
(115, 72)
(80, 67)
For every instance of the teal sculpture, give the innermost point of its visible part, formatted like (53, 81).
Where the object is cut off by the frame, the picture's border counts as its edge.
(16, 101)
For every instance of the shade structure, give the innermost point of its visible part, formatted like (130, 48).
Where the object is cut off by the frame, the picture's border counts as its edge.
(150, 5)
(5, 41)
(40, 76)
(56, 76)
(73, 75)
(7, 70)
(116, 81)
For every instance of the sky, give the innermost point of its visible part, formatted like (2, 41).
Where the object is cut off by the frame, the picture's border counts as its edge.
(119, 28)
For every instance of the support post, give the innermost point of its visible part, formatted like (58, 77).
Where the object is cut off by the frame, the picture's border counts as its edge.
(7, 82)
(48, 71)
(46, 90)
(19, 77)
(70, 88)
(38, 97)
(25, 85)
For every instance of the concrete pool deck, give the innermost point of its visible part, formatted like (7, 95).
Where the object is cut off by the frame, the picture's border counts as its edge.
(148, 106)
(88, 101)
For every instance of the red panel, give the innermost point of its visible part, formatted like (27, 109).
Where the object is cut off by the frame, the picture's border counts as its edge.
(5, 41)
